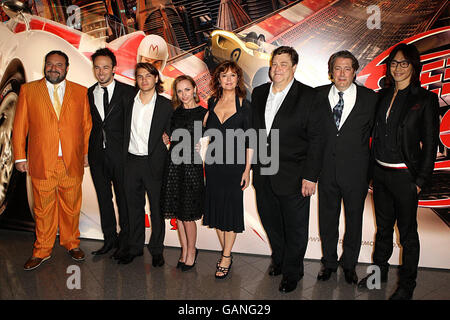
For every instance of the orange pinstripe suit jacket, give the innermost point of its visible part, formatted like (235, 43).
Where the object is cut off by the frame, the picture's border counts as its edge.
(36, 118)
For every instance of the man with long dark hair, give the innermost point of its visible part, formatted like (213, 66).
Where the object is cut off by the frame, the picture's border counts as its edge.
(405, 139)
(146, 119)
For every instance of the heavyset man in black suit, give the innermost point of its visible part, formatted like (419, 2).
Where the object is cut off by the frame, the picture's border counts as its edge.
(108, 99)
(283, 198)
(350, 111)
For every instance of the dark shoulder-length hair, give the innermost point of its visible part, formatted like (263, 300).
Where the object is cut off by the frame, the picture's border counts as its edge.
(226, 65)
(175, 101)
(412, 55)
(153, 71)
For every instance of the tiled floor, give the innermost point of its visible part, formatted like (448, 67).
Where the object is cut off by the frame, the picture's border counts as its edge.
(101, 278)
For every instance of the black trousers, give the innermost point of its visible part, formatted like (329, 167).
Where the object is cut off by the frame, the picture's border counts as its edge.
(107, 174)
(331, 193)
(286, 222)
(396, 200)
(138, 182)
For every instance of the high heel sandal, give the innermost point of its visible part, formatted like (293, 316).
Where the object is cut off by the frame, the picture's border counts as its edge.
(186, 267)
(224, 270)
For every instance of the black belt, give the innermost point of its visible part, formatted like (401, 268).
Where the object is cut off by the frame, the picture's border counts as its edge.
(136, 157)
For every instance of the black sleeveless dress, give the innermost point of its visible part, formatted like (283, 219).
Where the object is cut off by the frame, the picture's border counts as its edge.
(224, 205)
(183, 189)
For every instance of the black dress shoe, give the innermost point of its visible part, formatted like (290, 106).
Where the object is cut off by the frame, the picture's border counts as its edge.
(107, 246)
(325, 273)
(350, 276)
(119, 253)
(402, 294)
(287, 285)
(126, 259)
(185, 267)
(158, 260)
(363, 283)
(274, 270)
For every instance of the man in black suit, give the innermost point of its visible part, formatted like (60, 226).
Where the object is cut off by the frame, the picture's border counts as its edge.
(108, 99)
(145, 155)
(350, 111)
(284, 109)
(405, 140)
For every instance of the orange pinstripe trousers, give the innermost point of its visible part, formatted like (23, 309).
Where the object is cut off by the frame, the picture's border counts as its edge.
(57, 203)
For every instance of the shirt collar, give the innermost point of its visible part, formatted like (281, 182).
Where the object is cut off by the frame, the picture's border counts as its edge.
(349, 90)
(109, 86)
(62, 84)
(284, 91)
(138, 99)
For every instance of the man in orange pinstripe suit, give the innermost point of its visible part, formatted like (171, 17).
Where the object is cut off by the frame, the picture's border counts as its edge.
(54, 114)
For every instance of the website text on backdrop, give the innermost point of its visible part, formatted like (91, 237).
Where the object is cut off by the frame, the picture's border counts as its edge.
(146, 119)
(53, 113)
(405, 139)
(108, 99)
(350, 111)
(287, 106)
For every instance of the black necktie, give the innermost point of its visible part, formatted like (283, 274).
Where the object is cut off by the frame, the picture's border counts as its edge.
(337, 110)
(105, 100)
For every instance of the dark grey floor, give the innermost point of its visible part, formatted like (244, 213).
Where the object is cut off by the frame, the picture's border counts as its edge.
(102, 278)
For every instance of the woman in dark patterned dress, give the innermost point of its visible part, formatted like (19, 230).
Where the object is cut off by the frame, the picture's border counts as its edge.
(183, 190)
(226, 180)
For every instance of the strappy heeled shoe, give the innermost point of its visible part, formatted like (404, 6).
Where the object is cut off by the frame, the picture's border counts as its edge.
(224, 270)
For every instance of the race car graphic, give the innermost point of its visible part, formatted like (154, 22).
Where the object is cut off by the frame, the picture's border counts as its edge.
(24, 41)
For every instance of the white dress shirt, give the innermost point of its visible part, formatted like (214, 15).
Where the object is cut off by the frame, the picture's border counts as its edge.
(61, 91)
(349, 97)
(274, 101)
(98, 97)
(141, 120)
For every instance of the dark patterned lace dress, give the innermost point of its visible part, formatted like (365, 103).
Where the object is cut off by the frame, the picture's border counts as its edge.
(183, 189)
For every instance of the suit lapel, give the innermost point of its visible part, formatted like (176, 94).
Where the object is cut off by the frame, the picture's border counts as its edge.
(262, 107)
(326, 102)
(411, 100)
(292, 94)
(356, 107)
(115, 98)
(67, 98)
(47, 99)
(156, 122)
(94, 110)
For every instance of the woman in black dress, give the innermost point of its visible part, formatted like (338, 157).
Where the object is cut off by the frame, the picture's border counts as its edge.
(183, 190)
(226, 178)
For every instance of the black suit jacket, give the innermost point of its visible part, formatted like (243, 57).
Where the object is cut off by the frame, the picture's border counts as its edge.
(347, 151)
(113, 124)
(418, 132)
(157, 151)
(300, 138)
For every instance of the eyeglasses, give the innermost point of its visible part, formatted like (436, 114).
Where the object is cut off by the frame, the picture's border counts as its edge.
(403, 64)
